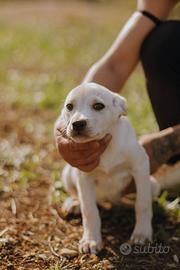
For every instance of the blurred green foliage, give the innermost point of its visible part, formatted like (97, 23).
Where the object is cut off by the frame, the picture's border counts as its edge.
(41, 60)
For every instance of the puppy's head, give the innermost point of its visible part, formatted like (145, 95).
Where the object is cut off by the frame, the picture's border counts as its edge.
(89, 112)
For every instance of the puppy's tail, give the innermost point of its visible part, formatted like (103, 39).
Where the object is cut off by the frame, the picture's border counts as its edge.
(167, 177)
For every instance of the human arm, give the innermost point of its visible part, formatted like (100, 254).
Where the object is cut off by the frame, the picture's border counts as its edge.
(114, 68)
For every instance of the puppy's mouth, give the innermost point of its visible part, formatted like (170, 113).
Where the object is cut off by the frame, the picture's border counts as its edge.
(82, 137)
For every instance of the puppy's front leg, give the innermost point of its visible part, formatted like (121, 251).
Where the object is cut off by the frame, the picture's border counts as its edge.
(91, 240)
(143, 206)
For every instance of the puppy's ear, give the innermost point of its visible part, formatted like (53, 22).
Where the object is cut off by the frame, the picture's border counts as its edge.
(120, 105)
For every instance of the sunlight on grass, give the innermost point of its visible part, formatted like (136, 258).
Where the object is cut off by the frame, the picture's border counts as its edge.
(40, 61)
(40, 65)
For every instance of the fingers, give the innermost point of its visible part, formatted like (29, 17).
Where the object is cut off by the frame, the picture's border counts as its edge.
(89, 167)
(91, 162)
(85, 156)
(88, 147)
(65, 148)
(103, 143)
(86, 161)
(93, 146)
(59, 137)
(93, 153)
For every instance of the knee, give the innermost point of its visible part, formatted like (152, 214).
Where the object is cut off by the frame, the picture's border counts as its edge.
(159, 49)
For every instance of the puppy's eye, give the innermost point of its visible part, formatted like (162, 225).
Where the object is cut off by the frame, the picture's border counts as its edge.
(69, 107)
(98, 106)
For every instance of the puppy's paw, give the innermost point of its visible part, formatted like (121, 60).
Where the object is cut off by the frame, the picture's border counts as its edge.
(92, 246)
(141, 236)
(71, 206)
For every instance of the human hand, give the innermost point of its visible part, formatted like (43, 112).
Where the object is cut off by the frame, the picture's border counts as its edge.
(84, 156)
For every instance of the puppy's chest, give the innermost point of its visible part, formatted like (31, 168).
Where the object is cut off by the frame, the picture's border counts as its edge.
(110, 185)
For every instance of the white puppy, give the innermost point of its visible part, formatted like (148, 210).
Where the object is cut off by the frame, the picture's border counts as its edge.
(90, 112)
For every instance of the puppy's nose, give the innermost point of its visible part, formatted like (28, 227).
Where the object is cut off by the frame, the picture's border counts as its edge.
(79, 126)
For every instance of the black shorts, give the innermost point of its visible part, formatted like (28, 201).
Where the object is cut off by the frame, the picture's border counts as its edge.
(160, 56)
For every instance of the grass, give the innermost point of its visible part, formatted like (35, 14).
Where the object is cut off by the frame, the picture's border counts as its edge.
(40, 64)
(45, 49)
